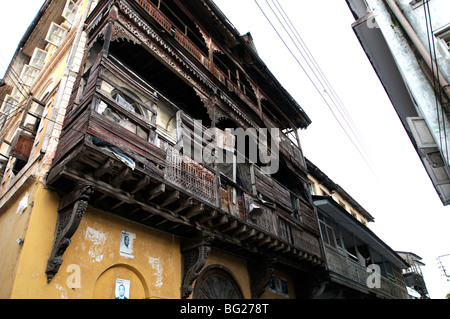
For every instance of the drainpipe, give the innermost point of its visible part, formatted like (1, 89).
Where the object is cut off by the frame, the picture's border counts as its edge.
(63, 83)
(420, 47)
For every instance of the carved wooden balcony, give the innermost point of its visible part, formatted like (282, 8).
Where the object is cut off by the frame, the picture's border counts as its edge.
(163, 189)
(157, 186)
(121, 142)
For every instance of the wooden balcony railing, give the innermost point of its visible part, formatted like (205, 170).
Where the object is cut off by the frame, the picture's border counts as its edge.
(276, 214)
(339, 263)
(193, 177)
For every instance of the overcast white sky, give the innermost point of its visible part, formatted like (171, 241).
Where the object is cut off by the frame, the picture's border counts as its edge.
(409, 215)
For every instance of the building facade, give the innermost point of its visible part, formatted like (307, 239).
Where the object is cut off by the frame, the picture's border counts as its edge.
(129, 130)
(117, 115)
(359, 264)
(414, 279)
(407, 43)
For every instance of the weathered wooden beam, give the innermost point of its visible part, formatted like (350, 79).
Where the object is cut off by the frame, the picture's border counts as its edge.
(117, 205)
(240, 230)
(161, 222)
(208, 217)
(287, 249)
(195, 211)
(222, 221)
(143, 182)
(101, 197)
(244, 237)
(232, 225)
(103, 169)
(175, 226)
(266, 240)
(188, 202)
(173, 197)
(272, 244)
(157, 191)
(120, 177)
(124, 196)
(258, 237)
(150, 216)
(300, 255)
(280, 247)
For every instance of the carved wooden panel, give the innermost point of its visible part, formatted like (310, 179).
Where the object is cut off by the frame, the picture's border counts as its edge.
(217, 283)
(194, 177)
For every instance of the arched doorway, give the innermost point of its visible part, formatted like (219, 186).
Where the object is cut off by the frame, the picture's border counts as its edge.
(108, 284)
(215, 282)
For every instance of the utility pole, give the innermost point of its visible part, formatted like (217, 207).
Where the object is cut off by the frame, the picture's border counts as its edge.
(441, 266)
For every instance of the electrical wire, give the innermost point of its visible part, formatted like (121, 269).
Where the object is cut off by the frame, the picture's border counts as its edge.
(322, 78)
(436, 81)
(316, 69)
(365, 157)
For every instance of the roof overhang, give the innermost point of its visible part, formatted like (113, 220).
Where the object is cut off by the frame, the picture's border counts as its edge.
(396, 86)
(329, 207)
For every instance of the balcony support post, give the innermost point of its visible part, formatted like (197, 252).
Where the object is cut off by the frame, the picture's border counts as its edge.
(71, 209)
(260, 275)
(194, 254)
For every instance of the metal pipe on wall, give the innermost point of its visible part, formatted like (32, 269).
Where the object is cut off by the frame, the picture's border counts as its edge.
(420, 47)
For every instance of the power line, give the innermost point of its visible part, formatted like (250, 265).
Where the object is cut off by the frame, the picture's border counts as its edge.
(320, 78)
(327, 84)
(436, 81)
(316, 69)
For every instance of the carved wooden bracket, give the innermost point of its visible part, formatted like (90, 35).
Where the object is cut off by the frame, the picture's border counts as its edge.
(71, 210)
(260, 275)
(194, 254)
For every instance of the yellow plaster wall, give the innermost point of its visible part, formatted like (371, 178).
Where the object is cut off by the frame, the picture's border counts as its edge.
(268, 294)
(154, 272)
(30, 279)
(93, 257)
(319, 189)
(13, 224)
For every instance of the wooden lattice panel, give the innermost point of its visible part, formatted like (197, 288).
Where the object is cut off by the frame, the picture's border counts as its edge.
(192, 176)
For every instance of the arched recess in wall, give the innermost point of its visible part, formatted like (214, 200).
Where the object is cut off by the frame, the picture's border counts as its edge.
(216, 282)
(46, 90)
(107, 284)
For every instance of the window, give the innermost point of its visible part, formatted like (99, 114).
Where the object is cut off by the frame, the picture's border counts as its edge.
(55, 34)
(28, 75)
(32, 116)
(443, 36)
(71, 10)
(329, 231)
(17, 93)
(8, 105)
(23, 140)
(279, 286)
(38, 58)
(416, 3)
(273, 284)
